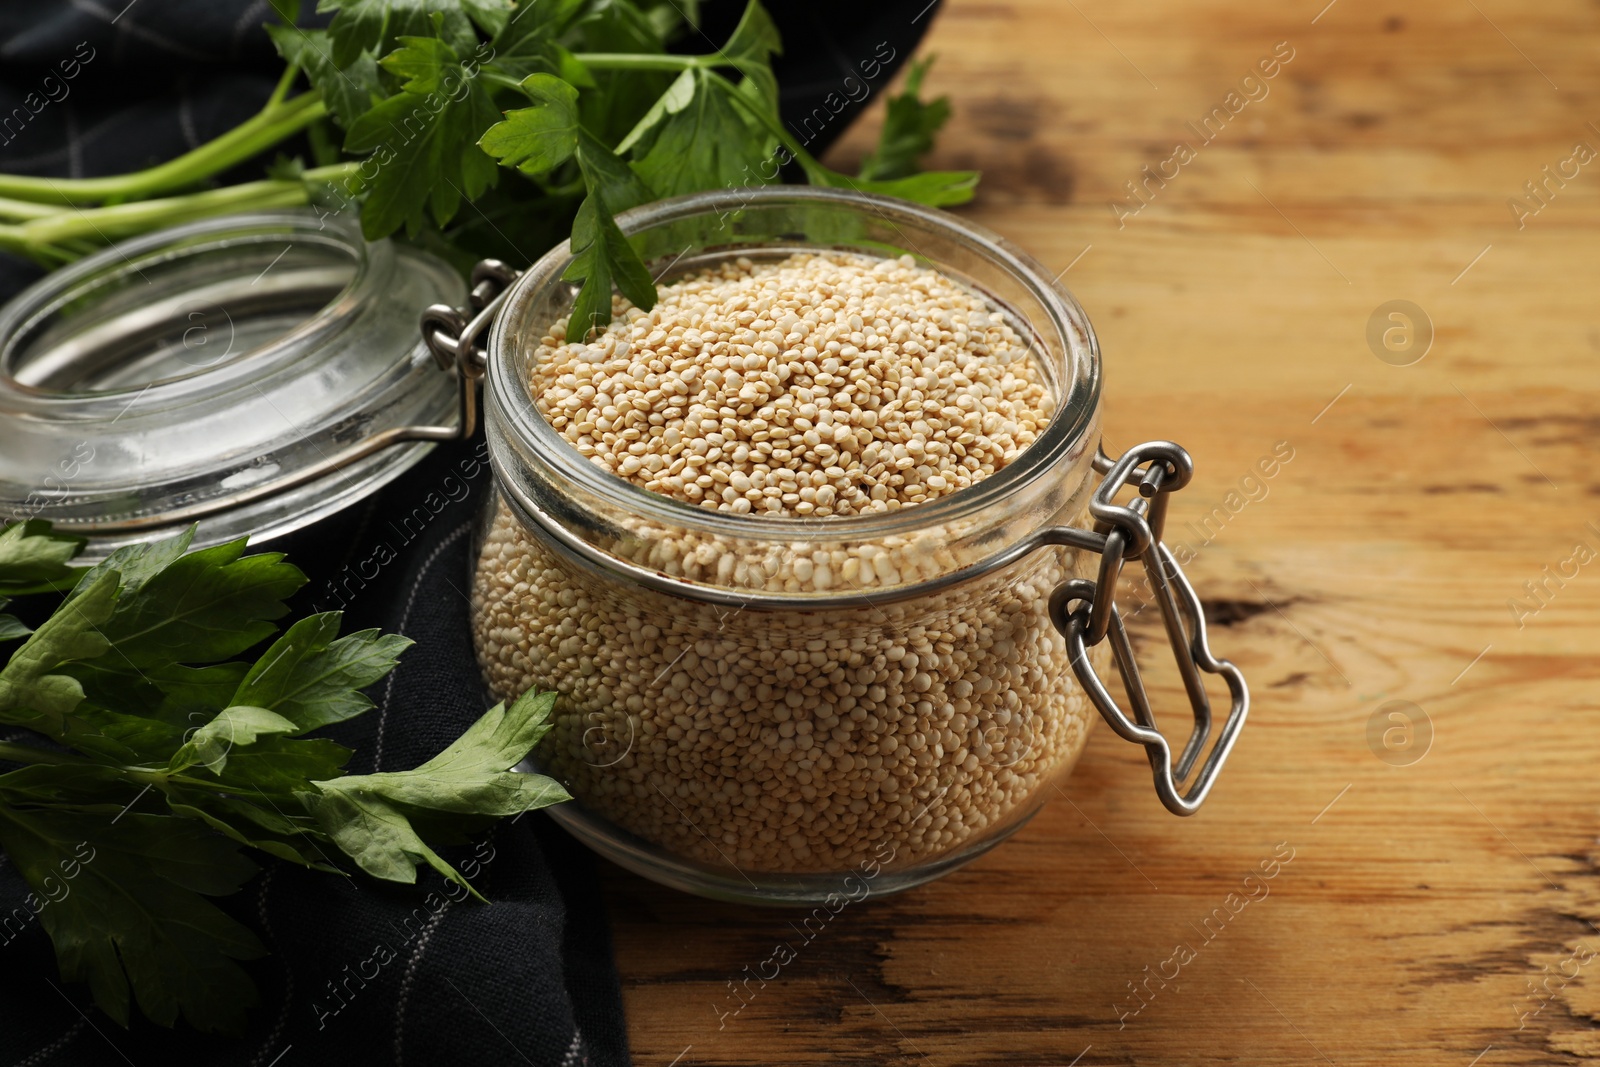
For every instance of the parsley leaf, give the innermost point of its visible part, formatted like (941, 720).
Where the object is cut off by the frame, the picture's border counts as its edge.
(284, 833)
(238, 725)
(369, 815)
(540, 138)
(275, 769)
(909, 126)
(705, 141)
(312, 677)
(473, 775)
(378, 836)
(755, 40)
(537, 139)
(31, 694)
(620, 93)
(539, 17)
(141, 717)
(134, 915)
(192, 607)
(421, 143)
(694, 137)
(421, 64)
(374, 25)
(529, 42)
(170, 764)
(936, 188)
(35, 560)
(348, 90)
(601, 255)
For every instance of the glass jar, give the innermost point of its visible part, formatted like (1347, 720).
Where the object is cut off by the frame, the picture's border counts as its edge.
(249, 373)
(760, 708)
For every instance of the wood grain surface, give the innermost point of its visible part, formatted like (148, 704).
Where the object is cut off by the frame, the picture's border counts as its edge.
(1441, 902)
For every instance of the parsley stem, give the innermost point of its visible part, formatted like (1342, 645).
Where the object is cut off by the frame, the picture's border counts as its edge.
(493, 77)
(642, 61)
(158, 777)
(161, 779)
(14, 753)
(266, 128)
(153, 776)
(123, 219)
(284, 83)
(23, 210)
(50, 237)
(815, 171)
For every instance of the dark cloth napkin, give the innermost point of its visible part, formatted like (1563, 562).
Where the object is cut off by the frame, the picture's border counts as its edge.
(363, 972)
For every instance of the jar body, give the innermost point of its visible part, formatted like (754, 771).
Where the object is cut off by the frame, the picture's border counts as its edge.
(763, 754)
(757, 707)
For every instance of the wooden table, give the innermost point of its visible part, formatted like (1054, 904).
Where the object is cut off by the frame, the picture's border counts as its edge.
(1436, 910)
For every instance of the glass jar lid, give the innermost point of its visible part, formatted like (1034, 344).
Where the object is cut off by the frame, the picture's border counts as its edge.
(251, 373)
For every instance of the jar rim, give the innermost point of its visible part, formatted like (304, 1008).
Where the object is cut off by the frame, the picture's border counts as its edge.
(1074, 417)
(175, 244)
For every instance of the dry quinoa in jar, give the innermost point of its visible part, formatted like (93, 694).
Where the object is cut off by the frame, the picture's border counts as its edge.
(800, 547)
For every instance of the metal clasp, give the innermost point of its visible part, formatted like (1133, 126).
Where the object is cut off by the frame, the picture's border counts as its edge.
(455, 340)
(1086, 613)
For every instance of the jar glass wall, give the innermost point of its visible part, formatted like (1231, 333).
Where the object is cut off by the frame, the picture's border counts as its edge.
(755, 708)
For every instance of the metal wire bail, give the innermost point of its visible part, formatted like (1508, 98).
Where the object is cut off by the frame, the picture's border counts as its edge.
(1086, 613)
(454, 338)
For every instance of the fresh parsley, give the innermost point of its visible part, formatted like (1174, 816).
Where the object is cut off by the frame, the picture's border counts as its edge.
(492, 128)
(909, 127)
(150, 761)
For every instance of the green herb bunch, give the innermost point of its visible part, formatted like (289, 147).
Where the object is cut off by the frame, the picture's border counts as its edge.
(152, 761)
(487, 127)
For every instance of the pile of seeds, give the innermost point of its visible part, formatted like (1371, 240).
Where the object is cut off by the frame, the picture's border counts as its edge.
(782, 741)
(824, 384)
(788, 741)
